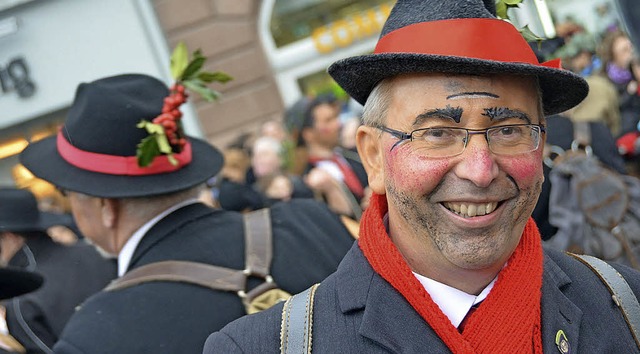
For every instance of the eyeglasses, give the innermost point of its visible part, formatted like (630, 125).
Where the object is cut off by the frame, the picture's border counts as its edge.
(510, 139)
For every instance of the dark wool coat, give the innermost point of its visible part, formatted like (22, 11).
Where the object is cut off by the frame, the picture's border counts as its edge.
(356, 311)
(71, 274)
(171, 317)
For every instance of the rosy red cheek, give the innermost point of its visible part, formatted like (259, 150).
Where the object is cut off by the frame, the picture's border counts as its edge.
(525, 170)
(413, 172)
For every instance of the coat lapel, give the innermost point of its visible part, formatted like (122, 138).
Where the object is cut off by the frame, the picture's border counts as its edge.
(558, 312)
(387, 319)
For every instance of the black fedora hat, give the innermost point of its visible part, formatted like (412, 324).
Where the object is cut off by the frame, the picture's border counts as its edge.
(457, 37)
(95, 151)
(15, 282)
(19, 212)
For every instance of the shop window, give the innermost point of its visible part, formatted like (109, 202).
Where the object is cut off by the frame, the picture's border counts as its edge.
(293, 20)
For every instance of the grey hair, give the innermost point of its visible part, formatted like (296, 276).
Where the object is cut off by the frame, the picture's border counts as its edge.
(376, 108)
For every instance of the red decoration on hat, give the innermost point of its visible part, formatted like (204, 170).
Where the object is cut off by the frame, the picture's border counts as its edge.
(166, 133)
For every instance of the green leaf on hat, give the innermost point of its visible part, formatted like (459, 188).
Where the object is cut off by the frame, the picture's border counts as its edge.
(147, 150)
(501, 10)
(153, 145)
(199, 87)
(528, 35)
(179, 60)
(194, 66)
(214, 77)
(512, 2)
(163, 143)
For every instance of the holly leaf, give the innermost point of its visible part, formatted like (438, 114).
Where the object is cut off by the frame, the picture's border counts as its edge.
(501, 10)
(194, 66)
(147, 150)
(179, 61)
(217, 76)
(199, 87)
(163, 143)
(529, 36)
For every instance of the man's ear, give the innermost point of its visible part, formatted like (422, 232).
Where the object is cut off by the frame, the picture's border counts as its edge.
(109, 209)
(368, 144)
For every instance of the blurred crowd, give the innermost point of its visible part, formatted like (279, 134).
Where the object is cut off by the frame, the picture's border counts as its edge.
(611, 65)
(310, 154)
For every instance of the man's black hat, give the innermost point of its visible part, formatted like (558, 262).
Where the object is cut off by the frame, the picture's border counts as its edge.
(19, 212)
(15, 282)
(457, 37)
(95, 151)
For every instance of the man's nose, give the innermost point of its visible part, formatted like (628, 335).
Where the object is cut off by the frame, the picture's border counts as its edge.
(477, 163)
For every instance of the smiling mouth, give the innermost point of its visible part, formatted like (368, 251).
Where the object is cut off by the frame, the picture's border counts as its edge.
(469, 210)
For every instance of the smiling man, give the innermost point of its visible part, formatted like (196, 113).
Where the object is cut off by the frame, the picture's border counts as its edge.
(449, 258)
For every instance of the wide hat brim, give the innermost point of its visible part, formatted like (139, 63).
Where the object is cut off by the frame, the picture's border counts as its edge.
(45, 221)
(44, 161)
(561, 89)
(16, 282)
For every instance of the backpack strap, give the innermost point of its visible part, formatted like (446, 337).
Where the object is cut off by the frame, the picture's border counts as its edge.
(296, 328)
(258, 256)
(206, 275)
(621, 293)
(258, 245)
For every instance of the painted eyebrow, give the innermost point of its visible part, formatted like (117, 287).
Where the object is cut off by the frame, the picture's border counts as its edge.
(500, 113)
(472, 93)
(453, 113)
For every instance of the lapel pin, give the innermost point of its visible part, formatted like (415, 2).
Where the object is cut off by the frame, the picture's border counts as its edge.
(562, 342)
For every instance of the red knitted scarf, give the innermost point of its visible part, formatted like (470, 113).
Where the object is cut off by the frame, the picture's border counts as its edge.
(507, 321)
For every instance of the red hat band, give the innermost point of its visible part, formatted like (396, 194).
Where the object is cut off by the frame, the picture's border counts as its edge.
(476, 38)
(120, 165)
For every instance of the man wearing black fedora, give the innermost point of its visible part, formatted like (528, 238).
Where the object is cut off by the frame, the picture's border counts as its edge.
(146, 213)
(449, 259)
(72, 273)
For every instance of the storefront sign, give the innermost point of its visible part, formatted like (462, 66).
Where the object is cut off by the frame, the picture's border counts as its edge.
(344, 32)
(14, 77)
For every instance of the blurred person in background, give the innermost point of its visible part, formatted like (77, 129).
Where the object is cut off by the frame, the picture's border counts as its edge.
(602, 103)
(340, 177)
(72, 273)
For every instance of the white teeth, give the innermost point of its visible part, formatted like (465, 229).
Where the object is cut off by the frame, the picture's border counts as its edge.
(469, 210)
(472, 209)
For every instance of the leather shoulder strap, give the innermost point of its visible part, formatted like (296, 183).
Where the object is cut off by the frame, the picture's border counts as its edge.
(258, 244)
(258, 255)
(620, 291)
(209, 276)
(297, 323)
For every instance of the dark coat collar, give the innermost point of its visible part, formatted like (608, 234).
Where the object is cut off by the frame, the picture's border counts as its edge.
(167, 226)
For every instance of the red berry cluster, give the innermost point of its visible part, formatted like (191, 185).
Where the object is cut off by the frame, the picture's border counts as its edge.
(171, 115)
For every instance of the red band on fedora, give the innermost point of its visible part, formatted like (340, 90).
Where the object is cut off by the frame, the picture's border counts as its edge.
(476, 38)
(119, 165)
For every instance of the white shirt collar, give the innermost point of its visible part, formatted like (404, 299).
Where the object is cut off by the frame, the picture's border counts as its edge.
(454, 303)
(125, 255)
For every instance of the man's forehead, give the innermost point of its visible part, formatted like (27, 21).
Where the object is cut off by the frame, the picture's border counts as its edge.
(458, 83)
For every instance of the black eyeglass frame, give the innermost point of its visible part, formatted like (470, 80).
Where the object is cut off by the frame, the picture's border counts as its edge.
(403, 136)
